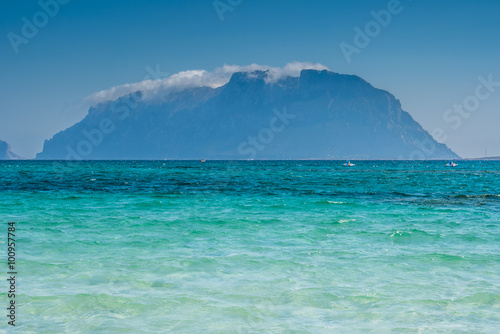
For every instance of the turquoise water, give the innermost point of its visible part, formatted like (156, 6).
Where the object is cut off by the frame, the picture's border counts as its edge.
(254, 247)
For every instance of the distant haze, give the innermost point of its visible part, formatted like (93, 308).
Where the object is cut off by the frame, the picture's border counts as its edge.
(430, 55)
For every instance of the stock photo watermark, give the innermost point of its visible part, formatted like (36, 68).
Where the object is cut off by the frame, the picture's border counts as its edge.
(11, 273)
(372, 29)
(223, 6)
(277, 124)
(471, 103)
(95, 137)
(31, 27)
(456, 115)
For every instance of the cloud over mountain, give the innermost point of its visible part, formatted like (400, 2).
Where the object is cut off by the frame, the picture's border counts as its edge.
(198, 78)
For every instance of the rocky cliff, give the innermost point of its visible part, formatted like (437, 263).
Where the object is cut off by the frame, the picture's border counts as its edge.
(317, 115)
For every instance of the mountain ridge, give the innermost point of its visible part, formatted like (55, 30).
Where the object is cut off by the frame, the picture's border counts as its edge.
(317, 115)
(6, 152)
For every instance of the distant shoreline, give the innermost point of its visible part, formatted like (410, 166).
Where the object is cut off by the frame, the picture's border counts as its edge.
(481, 159)
(197, 160)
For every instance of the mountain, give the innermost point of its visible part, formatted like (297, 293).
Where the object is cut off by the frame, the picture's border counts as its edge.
(6, 153)
(316, 115)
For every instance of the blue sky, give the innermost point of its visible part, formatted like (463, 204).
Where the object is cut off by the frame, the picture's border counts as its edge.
(429, 55)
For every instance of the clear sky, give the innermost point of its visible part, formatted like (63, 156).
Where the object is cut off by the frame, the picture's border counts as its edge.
(429, 54)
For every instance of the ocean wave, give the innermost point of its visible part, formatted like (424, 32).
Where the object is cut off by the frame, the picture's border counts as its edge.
(481, 298)
(490, 196)
(414, 235)
(328, 202)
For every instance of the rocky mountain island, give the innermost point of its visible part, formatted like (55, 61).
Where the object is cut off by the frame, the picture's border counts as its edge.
(316, 115)
(6, 152)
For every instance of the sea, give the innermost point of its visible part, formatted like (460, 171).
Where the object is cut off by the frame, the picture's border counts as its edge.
(252, 246)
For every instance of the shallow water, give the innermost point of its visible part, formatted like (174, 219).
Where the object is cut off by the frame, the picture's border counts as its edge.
(254, 247)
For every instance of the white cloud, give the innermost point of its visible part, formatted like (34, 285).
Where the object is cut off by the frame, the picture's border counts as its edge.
(197, 78)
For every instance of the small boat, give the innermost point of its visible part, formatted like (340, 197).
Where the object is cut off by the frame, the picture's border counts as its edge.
(202, 160)
(348, 164)
(451, 164)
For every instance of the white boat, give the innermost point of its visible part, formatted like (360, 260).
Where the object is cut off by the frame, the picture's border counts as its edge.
(348, 164)
(451, 164)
